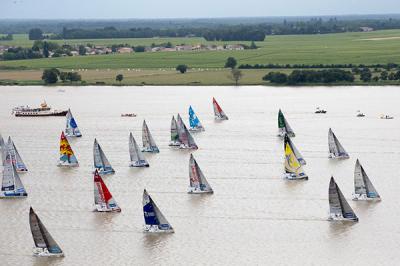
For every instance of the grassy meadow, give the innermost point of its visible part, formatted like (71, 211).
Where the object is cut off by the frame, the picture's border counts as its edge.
(343, 48)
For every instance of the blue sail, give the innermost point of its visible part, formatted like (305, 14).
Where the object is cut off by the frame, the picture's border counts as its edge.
(194, 121)
(72, 123)
(150, 216)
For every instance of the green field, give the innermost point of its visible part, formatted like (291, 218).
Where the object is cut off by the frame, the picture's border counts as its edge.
(356, 48)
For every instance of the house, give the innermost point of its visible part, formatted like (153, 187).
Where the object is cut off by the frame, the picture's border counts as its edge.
(125, 50)
(74, 53)
(366, 29)
(220, 48)
(234, 47)
(183, 48)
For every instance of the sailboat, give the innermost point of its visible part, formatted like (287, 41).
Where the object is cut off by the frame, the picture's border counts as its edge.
(218, 113)
(194, 122)
(336, 150)
(101, 163)
(284, 127)
(149, 145)
(293, 167)
(295, 151)
(71, 129)
(11, 186)
(103, 200)
(155, 222)
(340, 209)
(185, 138)
(15, 157)
(136, 155)
(3, 149)
(197, 181)
(364, 190)
(174, 134)
(45, 245)
(67, 156)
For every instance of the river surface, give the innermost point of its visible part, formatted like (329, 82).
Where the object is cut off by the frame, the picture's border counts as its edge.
(255, 217)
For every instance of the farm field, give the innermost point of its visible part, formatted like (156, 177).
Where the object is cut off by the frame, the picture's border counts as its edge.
(344, 48)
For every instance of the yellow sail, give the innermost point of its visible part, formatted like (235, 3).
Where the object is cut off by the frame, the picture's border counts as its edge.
(292, 165)
(65, 148)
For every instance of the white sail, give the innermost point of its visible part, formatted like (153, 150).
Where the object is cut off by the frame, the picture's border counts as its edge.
(71, 128)
(45, 244)
(186, 139)
(293, 167)
(15, 157)
(197, 181)
(155, 221)
(219, 114)
(298, 155)
(338, 205)
(101, 162)
(364, 190)
(283, 126)
(3, 149)
(136, 155)
(336, 149)
(11, 185)
(149, 145)
(174, 133)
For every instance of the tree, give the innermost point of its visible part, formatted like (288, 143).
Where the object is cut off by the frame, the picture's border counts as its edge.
(182, 68)
(276, 77)
(73, 76)
(119, 78)
(236, 75)
(366, 75)
(36, 34)
(50, 76)
(376, 78)
(63, 76)
(253, 45)
(392, 76)
(397, 75)
(46, 52)
(82, 50)
(384, 75)
(230, 63)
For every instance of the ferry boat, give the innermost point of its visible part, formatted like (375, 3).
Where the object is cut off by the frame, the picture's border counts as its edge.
(43, 110)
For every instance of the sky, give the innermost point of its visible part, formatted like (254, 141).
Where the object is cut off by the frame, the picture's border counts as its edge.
(121, 9)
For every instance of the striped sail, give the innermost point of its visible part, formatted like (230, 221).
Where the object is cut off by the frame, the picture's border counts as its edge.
(197, 180)
(15, 157)
(71, 129)
(67, 156)
(194, 122)
(174, 133)
(153, 218)
(101, 162)
(362, 184)
(11, 185)
(103, 199)
(136, 155)
(295, 151)
(185, 138)
(42, 238)
(338, 205)
(292, 164)
(283, 126)
(336, 149)
(149, 145)
(219, 114)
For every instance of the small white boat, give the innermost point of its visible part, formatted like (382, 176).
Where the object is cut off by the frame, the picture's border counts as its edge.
(155, 221)
(386, 117)
(136, 156)
(45, 245)
(336, 150)
(360, 114)
(293, 162)
(284, 127)
(67, 156)
(197, 181)
(320, 111)
(363, 188)
(340, 209)
(128, 115)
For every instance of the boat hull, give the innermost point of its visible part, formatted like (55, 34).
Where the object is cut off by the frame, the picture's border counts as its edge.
(340, 157)
(154, 229)
(363, 197)
(291, 176)
(33, 114)
(43, 252)
(64, 164)
(139, 164)
(334, 218)
(192, 190)
(9, 194)
(151, 150)
(100, 208)
(196, 129)
(104, 172)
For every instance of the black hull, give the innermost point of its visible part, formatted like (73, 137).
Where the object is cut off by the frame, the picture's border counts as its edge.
(62, 113)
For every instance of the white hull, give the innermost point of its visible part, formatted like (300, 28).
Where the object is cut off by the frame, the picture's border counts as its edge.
(22, 170)
(341, 157)
(196, 129)
(192, 190)
(174, 144)
(100, 208)
(153, 150)
(184, 147)
(217, 118)
(102, 172)
(364, 197)
(334, 218)
(282, 135)
(73, 135)
(65, 164)
(4, 195)
(137, 164)
(43, 252)
(155, 230)
(291, 176)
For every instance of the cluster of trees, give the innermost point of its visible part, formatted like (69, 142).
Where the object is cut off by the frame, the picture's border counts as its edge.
(36, 34)
(235, 33)
(19, 53)
(8, 37)
(319, 66)
(366, 74)
(51, 76)
(310, 76)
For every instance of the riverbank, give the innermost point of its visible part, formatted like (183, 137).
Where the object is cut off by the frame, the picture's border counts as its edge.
(159, 77)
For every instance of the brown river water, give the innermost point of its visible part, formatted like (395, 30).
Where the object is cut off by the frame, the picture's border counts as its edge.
(254, 217)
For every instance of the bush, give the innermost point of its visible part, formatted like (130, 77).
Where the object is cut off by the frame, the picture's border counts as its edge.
(182, 68)
(276, 77)
(50, 76)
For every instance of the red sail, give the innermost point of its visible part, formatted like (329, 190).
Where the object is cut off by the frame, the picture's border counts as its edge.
(106, 193)
(217, 105)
